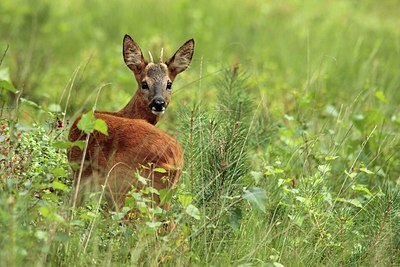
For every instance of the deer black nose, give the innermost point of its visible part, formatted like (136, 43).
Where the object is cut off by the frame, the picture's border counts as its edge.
(158, 104)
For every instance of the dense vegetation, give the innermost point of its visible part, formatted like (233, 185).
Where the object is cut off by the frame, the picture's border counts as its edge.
(289, 118)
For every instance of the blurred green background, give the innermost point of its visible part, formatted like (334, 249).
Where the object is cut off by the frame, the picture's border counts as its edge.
(318, 129)
(332, 50)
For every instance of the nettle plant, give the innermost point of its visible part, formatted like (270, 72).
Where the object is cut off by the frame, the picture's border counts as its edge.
(30, 160)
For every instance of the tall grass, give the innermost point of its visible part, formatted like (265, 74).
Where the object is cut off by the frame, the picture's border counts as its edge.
(288, 117)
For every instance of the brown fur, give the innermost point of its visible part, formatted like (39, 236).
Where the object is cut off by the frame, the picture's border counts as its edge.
(133, 143)
(125, 155)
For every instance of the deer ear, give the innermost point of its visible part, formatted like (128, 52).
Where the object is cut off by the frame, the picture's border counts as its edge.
(133, 56)
(182, 58)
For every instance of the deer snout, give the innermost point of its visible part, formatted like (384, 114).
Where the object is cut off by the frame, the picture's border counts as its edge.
(158, 105)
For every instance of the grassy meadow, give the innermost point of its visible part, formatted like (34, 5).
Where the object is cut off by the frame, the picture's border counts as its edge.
(289, 118)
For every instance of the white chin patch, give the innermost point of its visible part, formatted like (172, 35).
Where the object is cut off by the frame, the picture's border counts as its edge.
(158, 113)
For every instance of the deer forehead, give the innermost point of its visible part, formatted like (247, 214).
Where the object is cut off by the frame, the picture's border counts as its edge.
(156, 71)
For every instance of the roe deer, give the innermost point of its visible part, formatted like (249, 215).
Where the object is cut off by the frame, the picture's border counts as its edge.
(133, 141)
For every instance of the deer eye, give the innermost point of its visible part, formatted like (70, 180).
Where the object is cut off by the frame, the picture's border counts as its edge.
(169, 85)
(145, 85)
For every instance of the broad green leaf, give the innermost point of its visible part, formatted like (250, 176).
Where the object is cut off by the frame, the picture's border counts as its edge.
(142, 179)
(235, 218)
(362, 189)
(272, 170)
(5, 80)
(80, 144)
(364, 169)
(301, 199)
(55, 108)
(331, 111)
(257, 176)
(62, 144)
(368, 120)
(87, 122)
(154, 224)
(69, 144)
(381, 96)
(60, 186)
(59, 172)
(354, 201)
(324, 168)
(101, 126)
(193, 211)
(351, 175)
(166, 195)
(29, 103)
(41, 235)
(256, 197)
(152, 190)
(87, 215)
(7, 86)
(185, 199)
(329, 158)
(44, 211)
(160, 170)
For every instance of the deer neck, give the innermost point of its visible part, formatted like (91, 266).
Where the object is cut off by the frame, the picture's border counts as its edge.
(138, 109)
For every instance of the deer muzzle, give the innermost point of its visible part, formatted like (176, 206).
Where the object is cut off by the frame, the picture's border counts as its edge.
(158, 105)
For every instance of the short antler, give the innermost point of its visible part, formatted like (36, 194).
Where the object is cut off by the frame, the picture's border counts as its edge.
(161, 56)
(151, 57)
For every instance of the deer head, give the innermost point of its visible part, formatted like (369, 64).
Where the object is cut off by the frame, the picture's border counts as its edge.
(155, 79)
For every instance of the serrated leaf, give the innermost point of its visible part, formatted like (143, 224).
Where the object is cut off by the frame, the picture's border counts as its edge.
(193, 211)
(256, 197)
(101, 126)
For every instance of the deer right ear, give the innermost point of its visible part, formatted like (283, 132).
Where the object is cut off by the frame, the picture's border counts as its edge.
(133, 56)
(182, 58)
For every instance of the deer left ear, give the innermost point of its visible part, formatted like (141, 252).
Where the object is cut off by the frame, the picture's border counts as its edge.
(133, 56)
(181, 59)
